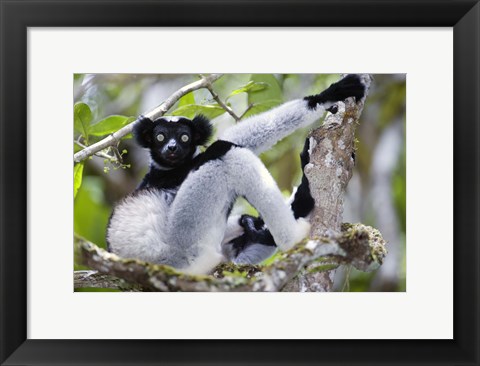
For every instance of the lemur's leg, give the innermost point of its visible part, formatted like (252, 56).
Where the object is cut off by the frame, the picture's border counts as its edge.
(251, 241)
(260, 132)
(251, 179)
(198, 215)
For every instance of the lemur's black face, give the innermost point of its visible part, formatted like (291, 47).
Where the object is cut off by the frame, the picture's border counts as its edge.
(172, 143)
(172, 140)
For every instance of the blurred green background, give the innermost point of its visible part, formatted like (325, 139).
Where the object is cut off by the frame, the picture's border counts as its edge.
(376, 194)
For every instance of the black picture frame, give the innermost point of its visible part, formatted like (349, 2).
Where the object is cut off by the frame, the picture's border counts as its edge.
(18, 15)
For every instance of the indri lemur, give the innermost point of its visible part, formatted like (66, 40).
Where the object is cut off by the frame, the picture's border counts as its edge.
(179, 214)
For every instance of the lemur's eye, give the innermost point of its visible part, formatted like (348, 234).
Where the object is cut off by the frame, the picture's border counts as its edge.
(184, 138)
(160, 137)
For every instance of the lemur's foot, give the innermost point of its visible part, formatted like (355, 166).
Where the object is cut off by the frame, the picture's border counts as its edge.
(350, 86)
(301, 231)
(333, 109)
(255, 230)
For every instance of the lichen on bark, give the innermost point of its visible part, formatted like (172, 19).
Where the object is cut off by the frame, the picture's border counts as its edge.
(322, 253)
(332, 158)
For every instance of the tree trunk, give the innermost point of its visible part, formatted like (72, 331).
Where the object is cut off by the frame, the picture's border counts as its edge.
(332, 157)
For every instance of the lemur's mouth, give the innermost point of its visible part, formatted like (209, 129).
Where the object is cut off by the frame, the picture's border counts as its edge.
(173, 158)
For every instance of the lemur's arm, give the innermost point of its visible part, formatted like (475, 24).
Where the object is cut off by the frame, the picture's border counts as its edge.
(260, 132)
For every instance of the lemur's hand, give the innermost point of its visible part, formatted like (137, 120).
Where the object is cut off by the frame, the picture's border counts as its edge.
(350, 86)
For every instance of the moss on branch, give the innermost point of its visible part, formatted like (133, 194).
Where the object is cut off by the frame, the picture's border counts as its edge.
(357, 244)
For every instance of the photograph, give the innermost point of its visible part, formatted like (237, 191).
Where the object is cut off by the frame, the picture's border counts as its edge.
(239, 182)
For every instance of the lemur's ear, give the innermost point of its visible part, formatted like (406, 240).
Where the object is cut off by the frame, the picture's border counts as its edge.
(142, 131)
(202, 129)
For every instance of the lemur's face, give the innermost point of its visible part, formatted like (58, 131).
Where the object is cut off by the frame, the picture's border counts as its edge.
(172, 140)
(172, 143)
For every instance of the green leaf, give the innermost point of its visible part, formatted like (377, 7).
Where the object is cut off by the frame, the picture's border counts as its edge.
(261, 107)
(186, 100)
(91, 211)
(251, 86)
(272, 91)
(77, 178)
(210, 111)
(266, 98)
(109, 125)
(82, 117)
(76, 148)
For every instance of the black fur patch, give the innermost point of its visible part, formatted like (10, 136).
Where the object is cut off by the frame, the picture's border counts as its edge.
(303, 202)
(215, 151)
(142, 131)
(202, 129)
(254, 233)
(165, 179)
(255, 230)
(349, 86)
(333, 109)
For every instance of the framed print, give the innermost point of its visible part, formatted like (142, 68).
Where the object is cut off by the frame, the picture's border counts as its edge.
(432, 53)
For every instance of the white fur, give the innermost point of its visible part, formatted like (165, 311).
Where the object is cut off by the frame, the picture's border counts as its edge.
(209, 256)
(260, 132)
(137, 226)
(199, 229)
(252, 180)
(198, 216)
(255, 253)
(233, 230)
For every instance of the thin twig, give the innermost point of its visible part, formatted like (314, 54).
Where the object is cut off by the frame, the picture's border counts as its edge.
(99, 154)
(250, 106)
(221, 104)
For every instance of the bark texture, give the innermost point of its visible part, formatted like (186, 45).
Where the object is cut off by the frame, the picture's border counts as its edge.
(332, 158)
(357, 244)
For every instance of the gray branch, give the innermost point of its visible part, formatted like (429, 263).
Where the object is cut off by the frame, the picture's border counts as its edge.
(155, 113)
(357, 244)
(95, 279)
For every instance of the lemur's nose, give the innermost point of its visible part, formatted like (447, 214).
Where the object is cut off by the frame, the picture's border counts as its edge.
(172, 146)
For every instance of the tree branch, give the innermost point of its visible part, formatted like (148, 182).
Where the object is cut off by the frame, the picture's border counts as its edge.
(155, 113)
(250, 106)
(99, 154)
(332, 158)
(359, 245)
(221, 104)
(94, 279)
